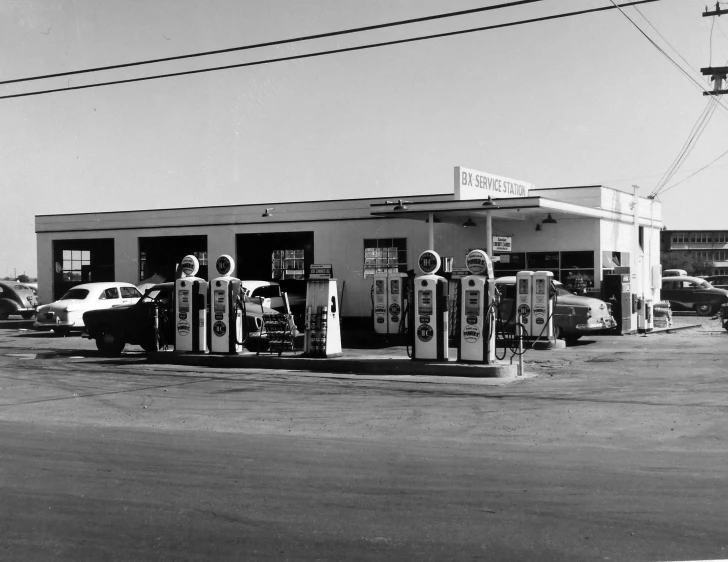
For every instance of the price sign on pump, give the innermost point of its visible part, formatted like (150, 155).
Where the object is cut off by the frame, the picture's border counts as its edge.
(429, 262)
(189, 265)
(225, 265)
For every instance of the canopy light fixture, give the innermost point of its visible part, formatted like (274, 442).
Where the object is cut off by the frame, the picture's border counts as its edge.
(489, 203)
(549, 220)
(435, 220)
(468, 223)
(267, 212)
(401, 206)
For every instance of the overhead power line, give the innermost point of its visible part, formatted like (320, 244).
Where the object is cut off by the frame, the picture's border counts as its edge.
(680, 68)
(277, 42)
(329, 52)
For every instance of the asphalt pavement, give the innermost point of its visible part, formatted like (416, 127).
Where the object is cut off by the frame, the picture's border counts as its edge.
(614, 448)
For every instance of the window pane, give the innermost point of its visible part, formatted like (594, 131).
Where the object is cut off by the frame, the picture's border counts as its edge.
(85, 255)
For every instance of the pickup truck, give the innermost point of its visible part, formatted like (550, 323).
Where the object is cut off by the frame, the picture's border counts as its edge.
(113, 328)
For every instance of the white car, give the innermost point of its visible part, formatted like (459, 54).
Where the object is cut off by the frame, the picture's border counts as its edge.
(66, 314)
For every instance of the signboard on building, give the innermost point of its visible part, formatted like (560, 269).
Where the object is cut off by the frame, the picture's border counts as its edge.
(502, 243)
(471, 184)
(321, 271)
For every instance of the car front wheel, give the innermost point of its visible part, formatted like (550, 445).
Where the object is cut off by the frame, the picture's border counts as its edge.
(110, 343)
(27, 315)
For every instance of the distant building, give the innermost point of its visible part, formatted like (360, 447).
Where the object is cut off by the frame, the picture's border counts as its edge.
(702, 245)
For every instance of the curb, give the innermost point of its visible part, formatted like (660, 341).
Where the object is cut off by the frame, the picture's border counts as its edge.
(670, 330)
(377, 366)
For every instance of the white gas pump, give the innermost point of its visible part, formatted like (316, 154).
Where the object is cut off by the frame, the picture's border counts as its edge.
(430, 313)
(523, 304)
(388, 301)
(226, 309)
(379, 295)
(542, 326)
(477, 316)
(190, 308)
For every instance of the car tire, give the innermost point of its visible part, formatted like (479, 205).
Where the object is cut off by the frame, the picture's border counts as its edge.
(558, 333)
(704, 309)
(63, 332)
(572, 339)
(27, 315)
(149, 347)
(110, 343)
(4, 313)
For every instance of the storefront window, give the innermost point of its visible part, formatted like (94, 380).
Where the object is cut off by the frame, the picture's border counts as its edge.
(384, 255)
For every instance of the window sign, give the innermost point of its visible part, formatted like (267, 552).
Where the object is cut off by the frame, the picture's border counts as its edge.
(502, 243)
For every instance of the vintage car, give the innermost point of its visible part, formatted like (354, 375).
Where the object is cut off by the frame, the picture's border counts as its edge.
(150, 323)
(573, 316)
(692, 293)
(66, 314)
(16, 298)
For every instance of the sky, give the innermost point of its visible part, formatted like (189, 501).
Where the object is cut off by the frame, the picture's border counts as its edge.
(575, 101)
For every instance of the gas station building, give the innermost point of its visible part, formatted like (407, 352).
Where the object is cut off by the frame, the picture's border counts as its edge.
(578, 233)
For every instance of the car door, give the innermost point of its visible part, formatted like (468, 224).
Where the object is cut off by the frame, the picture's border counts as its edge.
(129, 295)
(670, 291)
(110, 297)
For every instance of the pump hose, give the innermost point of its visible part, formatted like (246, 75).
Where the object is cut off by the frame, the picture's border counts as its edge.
(404, 329)
(244, 321)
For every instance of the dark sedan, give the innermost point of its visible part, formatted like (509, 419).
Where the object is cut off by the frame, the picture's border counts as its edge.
(692, 293)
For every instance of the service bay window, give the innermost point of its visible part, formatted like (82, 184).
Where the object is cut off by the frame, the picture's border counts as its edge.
(384, 255)
(288, 264)
(73, 263)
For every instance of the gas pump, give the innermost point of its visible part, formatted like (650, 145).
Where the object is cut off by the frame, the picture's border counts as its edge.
(477, 317)
(430, 310)
(542, 306)
(523, 304)
(190, 308)
(388, 301)
(227, 304)
(379, 303)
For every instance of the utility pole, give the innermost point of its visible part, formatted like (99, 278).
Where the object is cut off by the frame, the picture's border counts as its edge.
(718, 74)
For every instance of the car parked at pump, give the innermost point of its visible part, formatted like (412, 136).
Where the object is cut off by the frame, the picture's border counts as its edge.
(573, 315)
(17, 299)
(150, 323)
(66, 314)
(684, 292)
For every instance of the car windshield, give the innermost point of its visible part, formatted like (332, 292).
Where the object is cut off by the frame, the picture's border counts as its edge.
(561, 290)
(78, 294)
(267, 292)
(155, 296)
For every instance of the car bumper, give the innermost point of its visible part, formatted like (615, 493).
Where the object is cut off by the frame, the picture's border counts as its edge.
(603, 324)
(49, 325)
